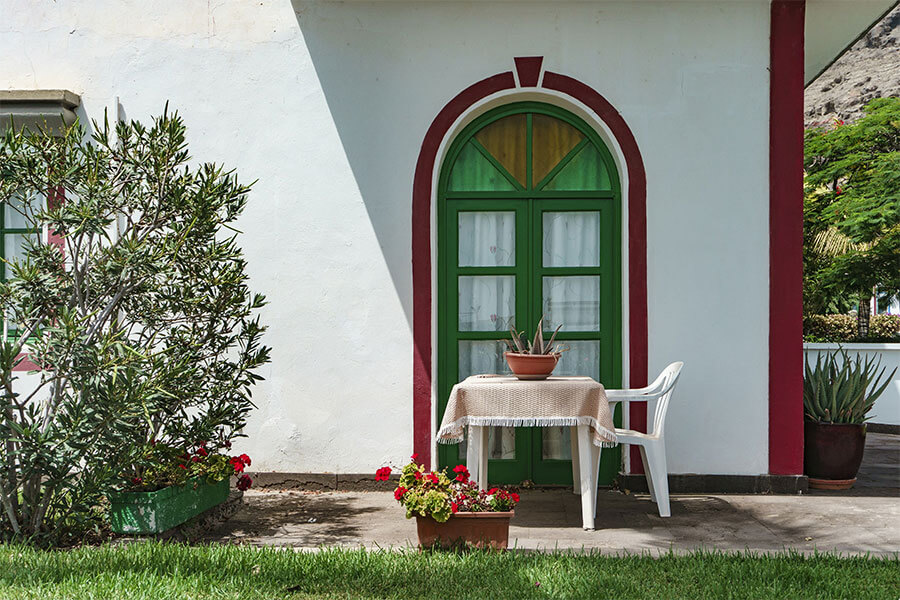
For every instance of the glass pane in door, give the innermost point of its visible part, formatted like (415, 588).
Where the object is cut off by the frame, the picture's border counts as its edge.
(556, 443)
(486, 302)
(571, 239)
(573, 302)
(581, 358)
(487, 239)
(479, 357)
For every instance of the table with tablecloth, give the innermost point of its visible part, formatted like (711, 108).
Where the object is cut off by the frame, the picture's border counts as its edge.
(482, 401)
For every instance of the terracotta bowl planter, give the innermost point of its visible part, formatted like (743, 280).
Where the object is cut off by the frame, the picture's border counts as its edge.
(832, 454)
(531, 366)
(466, 530)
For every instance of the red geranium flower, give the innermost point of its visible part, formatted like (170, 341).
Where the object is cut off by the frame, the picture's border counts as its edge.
(462, 473)
(454, 507)
(414, 457)
(237, 464)
(433, 478)
(514, 496)
(245, 459)
(418, 475)
(196, 459)
(383, 474)
(398, 493)
(182, 467)
(492, 491)
(202, 451)
(244, 483)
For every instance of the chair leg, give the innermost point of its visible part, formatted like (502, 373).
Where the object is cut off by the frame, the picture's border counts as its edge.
(656, 453)
(576, 470)
(647, 473)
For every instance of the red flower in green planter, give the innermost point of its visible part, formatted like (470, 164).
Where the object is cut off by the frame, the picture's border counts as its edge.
(462, 473)
(244, 482)
(237, 463)
(383, 474)
(245, 459)
(432, 478)
(398, 493)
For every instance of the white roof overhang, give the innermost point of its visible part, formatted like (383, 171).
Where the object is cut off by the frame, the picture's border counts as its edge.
(832, 26)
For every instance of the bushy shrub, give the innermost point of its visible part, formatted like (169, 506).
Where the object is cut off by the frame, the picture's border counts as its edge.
(842, 328)
(140, 316)
(885, 326)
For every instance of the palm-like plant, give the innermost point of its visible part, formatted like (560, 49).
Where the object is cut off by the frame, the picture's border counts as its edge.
(843, 391)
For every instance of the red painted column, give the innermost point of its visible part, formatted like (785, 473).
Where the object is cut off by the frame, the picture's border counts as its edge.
(786, 237)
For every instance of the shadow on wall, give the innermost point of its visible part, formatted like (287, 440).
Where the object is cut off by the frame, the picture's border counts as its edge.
(371, 122)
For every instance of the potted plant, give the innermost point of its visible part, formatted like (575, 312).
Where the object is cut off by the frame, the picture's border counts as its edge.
(453, 512)
(837, 396)
(532, 360)
(168, 486)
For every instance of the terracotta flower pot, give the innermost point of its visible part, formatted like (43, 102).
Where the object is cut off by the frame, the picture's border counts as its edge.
(531, 366)
(832, 453)
(466, 530)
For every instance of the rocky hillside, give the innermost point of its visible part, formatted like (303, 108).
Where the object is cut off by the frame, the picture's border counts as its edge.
(870, 69)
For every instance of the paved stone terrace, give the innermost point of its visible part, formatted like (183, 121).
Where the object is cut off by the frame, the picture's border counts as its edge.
(863, 520)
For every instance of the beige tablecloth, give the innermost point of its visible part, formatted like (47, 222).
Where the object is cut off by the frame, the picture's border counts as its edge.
(494, 400)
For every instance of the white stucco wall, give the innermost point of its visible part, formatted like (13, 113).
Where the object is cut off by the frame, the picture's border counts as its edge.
(327, 104)
(887, 406)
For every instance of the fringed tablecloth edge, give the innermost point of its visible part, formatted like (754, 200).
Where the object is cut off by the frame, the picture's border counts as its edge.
(454, 433)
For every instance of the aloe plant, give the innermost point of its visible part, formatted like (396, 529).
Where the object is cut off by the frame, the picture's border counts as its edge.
(842, 391)
(522, 345)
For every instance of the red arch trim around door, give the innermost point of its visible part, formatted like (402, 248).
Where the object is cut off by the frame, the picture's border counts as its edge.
(421, 240)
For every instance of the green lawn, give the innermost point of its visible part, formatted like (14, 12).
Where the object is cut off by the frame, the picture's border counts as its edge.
(155, 570)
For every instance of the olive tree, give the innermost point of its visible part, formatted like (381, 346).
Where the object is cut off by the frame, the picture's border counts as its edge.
(137, 314)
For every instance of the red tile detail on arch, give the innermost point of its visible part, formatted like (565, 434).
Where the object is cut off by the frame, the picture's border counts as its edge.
(528, 68)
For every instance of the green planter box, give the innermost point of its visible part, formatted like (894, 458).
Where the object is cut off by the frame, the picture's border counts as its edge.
(155, 512)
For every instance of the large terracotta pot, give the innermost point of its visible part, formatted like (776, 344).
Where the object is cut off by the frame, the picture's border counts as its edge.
(832, 453)
(466, 530)
(531, 366)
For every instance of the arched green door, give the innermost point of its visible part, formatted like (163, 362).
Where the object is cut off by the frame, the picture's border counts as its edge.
(528, 226)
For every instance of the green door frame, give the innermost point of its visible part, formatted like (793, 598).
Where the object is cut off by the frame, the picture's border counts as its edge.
(528, 202)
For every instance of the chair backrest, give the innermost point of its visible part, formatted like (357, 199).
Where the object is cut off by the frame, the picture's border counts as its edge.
(662, 388)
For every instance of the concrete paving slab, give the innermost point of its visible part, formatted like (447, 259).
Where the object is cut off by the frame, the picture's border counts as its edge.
(864, 520)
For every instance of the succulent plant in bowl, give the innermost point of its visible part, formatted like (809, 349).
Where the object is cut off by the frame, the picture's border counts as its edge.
(533, 359)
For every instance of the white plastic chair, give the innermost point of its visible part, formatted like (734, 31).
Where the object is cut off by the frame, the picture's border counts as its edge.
(652, 444)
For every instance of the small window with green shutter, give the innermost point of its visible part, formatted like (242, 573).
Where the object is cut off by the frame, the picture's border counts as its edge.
(18, 232)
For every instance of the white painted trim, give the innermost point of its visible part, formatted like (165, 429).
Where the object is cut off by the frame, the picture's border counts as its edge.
(892, 346)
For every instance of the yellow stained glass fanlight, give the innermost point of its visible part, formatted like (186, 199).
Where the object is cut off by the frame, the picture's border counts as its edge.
(505, 139)
(552, 139)
(495, 159)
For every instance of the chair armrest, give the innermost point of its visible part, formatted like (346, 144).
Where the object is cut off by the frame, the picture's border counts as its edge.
(631, 395)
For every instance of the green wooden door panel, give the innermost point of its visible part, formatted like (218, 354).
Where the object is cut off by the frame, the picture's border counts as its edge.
(582, 188)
